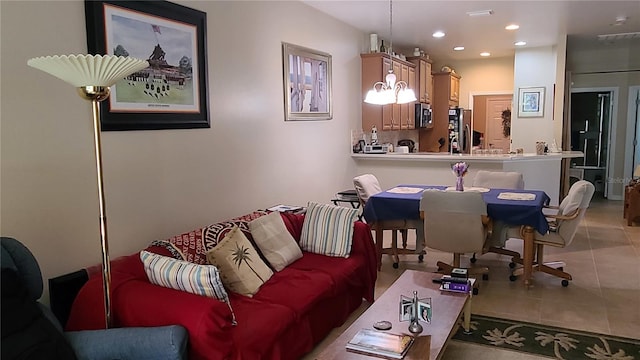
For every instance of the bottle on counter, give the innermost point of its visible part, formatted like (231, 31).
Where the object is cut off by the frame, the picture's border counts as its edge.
(383, 49)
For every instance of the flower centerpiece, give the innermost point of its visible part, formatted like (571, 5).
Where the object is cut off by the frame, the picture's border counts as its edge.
(460, 169)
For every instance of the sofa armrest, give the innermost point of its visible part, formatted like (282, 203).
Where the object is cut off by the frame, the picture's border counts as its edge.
(166, 342)
(138, 303)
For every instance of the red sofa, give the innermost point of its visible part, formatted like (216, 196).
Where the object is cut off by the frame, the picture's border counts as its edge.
(285, 319)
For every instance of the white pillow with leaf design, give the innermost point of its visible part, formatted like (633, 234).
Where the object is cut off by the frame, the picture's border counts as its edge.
(241, 268)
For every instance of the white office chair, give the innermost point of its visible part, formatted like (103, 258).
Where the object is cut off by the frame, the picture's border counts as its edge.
(368, 185)
(499, 180)
(454, 221)
(563, 226)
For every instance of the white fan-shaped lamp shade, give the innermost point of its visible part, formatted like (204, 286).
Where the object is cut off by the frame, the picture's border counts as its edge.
(406, 95)
(88, 70)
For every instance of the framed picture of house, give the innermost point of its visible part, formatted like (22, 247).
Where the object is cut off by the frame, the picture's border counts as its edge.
(171, 93)
(307, 83)
(531, 102)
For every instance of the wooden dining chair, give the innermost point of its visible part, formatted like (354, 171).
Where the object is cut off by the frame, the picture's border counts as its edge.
(367, 185)
(499, 180)
(563, 226)
(456, 222)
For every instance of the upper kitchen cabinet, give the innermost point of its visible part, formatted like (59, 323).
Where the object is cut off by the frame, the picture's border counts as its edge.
(423, 78)
(448, 82)
(375, 67)
(446, 94)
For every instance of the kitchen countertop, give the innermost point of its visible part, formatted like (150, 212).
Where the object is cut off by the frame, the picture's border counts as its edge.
(443, 156)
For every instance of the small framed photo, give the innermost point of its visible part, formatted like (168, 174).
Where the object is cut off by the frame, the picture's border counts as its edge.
(424, 310)
(406, 308)
(531, 102)
(307, 83)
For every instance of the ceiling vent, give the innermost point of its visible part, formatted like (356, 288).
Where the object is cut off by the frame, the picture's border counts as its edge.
(618, 37)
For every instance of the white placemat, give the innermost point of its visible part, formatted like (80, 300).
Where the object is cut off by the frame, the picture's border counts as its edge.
(516, 196)
(405, 190)
(470, 189)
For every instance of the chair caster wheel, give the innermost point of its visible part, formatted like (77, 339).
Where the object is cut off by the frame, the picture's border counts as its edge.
(420, 258)
(473, 260)
(485, 276)
(512, 265)
(513, 277)
(475, 291)
(395, 265)
(565, 283)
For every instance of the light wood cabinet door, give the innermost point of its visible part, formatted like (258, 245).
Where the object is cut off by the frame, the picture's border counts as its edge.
(423, 78)
(429, 84)
(411, 114)
(454, 89)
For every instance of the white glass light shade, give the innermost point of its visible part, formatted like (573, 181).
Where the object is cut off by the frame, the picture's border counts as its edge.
(406, 95)
(88, 70)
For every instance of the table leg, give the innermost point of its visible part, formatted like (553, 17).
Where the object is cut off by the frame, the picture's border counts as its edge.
(466, 324)
(528, 255)
(379, 238)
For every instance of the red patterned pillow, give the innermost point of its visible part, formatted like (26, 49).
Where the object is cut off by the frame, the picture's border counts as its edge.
(193, 246)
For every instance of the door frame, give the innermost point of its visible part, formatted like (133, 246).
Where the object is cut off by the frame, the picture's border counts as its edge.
(631, 133)
(613, 114)
(496, 92)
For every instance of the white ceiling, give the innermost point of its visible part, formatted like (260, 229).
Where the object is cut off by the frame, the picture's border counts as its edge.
(541, 23)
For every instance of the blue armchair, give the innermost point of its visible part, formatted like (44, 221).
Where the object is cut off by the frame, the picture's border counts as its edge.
(31, 331)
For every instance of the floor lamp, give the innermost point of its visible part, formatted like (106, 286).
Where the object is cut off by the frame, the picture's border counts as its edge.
(92, 76)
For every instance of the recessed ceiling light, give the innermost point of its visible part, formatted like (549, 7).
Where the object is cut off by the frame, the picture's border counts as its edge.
(458, 48)
(485, 54)
(520, 43)
(512, 27)
(438, 34)
(480, 13)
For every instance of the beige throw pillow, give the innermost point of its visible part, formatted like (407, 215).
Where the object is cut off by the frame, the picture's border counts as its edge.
(275, 242)
(241, 268)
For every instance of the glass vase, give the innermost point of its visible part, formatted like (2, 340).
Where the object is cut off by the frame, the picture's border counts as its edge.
(459, 183)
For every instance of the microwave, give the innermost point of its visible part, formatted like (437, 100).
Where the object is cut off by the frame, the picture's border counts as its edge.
(424, 119)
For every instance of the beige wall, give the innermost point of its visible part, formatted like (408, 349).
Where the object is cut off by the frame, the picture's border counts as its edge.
(162, 183)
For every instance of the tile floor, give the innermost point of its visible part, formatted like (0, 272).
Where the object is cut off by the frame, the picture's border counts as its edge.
(604, 296)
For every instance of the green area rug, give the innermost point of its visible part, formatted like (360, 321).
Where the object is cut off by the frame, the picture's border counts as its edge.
(543, 340)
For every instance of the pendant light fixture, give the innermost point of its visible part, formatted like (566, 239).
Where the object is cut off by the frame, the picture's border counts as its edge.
(390, 91)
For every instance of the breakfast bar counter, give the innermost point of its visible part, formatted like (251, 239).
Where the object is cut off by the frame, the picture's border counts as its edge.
(540, 172)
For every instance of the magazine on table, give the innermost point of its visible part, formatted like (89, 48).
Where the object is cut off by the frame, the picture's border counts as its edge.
(382, 344)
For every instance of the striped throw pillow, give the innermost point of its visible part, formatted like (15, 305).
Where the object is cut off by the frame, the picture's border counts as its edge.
(328, 229)
(182, 275)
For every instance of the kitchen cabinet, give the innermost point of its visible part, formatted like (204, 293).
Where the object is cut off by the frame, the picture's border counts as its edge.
(424, 80)
(375, 67)
(446, 94)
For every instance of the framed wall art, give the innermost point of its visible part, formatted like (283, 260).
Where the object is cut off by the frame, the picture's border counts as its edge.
(531, 102)
(307, 83)
(172, 92)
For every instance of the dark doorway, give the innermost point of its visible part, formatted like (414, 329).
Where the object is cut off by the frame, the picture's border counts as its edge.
(590, 119)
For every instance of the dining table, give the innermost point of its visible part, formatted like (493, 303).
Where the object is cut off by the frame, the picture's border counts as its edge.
(512, 207)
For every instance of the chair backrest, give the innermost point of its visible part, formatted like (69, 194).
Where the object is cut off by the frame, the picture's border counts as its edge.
(453, 220)
(18, 257)
(578, 198)
(366, 185)
(499, 179)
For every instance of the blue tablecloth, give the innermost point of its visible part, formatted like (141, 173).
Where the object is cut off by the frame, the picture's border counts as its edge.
(393, 206)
